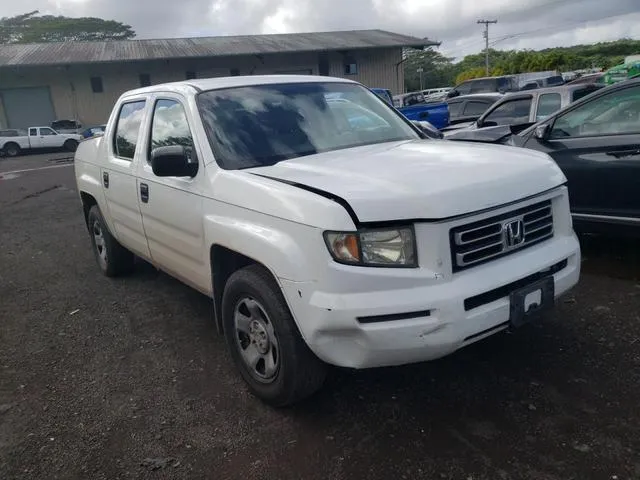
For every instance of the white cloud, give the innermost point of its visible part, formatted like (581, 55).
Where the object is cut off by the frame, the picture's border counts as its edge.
(521, 23)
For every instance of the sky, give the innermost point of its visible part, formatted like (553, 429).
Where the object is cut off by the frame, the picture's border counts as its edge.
(532, 24)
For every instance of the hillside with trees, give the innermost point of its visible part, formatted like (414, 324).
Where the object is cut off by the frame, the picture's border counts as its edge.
(441, 71)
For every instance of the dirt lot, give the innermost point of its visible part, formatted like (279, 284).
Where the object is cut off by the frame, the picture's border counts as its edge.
(105, 379)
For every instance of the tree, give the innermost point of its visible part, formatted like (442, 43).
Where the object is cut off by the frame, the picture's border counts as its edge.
(32, 28)
(438, 71)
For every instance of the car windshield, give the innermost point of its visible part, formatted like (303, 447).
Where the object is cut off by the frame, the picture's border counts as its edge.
(262, 125)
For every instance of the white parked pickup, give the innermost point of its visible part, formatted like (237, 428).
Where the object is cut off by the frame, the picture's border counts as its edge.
(325, 234)
(12, 142)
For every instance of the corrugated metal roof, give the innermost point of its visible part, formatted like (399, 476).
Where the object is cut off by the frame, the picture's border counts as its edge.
(132, 50)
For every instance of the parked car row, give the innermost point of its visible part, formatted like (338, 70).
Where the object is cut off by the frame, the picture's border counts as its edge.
(596, 142)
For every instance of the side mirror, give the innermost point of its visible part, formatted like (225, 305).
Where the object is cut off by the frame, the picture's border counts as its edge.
(428, 129)
(542, 132)
(174, 161)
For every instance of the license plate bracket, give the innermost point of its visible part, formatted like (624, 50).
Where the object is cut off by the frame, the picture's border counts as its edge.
(530, 302)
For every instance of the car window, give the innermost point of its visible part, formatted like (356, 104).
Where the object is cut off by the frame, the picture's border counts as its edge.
(475, 108)
(455, 109)
(33, 132)
(583, 92)
(615, 113)
(170, 126)
(260, 125)
(548, 103)
(464, 88)
(127, 129)
(511, 112)
(483, 86)
(47, 132)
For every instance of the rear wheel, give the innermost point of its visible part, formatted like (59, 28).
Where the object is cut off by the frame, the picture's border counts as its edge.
(264, 340)
(12, 149)
(113, 259)
(71, 145)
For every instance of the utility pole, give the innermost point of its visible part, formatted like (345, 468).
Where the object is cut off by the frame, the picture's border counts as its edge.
(420, 70)
(486, 38)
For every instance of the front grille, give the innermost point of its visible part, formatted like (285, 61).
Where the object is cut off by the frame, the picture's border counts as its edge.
(484, 240)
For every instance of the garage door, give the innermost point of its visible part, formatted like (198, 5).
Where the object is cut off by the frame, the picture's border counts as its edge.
(27, 107)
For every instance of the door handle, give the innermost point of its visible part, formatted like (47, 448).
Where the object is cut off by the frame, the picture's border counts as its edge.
(105, 179)
(144, 192)
(624, 153)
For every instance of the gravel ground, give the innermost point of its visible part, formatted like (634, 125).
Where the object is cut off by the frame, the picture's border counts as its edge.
(106, 379)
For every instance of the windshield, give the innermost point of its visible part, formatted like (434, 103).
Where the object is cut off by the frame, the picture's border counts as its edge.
(264, 124)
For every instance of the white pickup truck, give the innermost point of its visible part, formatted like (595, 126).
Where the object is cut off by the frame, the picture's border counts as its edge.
(12, 142)
(325, 232)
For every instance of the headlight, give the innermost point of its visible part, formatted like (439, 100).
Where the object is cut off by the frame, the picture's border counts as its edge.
(386, 247)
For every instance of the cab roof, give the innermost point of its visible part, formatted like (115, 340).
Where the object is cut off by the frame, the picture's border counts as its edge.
(200, 85)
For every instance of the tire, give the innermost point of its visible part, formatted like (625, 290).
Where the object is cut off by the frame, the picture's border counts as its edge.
(71, 145)
(12, 149)
(113, 259)
(293, 372)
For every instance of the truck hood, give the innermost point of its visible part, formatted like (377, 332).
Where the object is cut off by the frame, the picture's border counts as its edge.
(421, 179)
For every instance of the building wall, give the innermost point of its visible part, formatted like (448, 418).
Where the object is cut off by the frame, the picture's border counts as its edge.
(73, 98)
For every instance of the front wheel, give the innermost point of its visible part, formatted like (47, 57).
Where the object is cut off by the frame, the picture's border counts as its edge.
(113, 259)
(264, 340)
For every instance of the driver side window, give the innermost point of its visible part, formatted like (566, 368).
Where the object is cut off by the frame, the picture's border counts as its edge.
(511, 112)
(615, 113)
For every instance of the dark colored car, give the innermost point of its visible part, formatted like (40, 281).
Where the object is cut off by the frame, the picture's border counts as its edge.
(552, 81)
(507, 83)
(525, 108)
(596, 143)
(466, 109)
(587, 79)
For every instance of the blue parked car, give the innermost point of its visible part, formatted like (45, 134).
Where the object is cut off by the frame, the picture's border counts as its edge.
(437, 114)
(92, 131)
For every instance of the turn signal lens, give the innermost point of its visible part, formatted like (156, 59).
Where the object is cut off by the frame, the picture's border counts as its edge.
(343, 246)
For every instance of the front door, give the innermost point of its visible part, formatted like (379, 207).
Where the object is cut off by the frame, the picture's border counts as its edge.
(119, 177)
(172, 206)
(597, 146)
(49, 138)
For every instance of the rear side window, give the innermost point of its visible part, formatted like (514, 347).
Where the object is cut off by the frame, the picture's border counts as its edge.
(475, 108)
(455, 109)
(127, 129)
(33, 132)
(548, 104)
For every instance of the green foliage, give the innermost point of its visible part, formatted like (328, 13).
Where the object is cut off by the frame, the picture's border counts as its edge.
(440, 71)
(32, 28)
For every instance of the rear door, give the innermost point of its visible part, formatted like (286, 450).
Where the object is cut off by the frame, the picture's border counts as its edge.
(119, 183)
(597, 145)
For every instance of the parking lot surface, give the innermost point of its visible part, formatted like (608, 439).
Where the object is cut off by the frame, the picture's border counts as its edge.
(127, 378)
